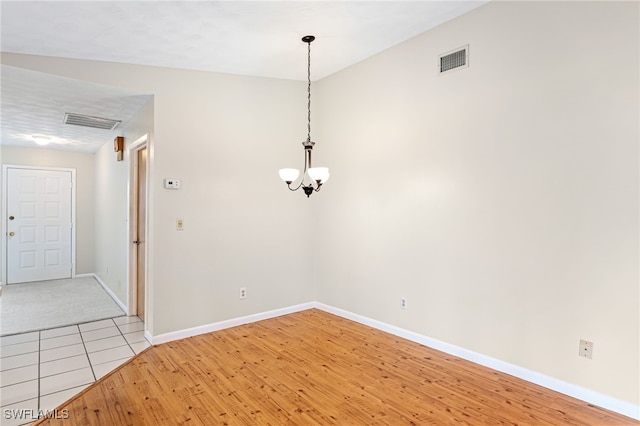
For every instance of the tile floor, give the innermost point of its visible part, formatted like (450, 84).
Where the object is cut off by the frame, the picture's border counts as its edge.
(42, 369)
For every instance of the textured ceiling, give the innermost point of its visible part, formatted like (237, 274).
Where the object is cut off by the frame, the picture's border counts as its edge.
(259, 38)
(34, 103)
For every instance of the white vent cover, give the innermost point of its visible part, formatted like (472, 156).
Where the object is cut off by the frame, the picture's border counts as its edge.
(89, 121)
(458, 58)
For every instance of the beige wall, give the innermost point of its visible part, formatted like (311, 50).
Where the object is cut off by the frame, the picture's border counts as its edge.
(83, 163)
(111, 201)
(502, 199)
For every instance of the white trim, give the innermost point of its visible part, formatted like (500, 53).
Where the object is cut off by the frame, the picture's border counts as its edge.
(4, 225)
(3, 215)
(132, 263)
(596, 398)
(221, 325)
(89, 275)
(109, 292)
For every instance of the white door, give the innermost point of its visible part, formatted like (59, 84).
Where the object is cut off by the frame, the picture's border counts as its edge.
(39, 225)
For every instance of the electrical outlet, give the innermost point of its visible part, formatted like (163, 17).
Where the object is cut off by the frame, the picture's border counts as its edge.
(586, 349)
(243, 293)
(403, 303)
(170, 183)
(179, 224)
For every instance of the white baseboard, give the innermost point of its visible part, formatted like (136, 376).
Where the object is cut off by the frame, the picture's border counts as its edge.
(91, 275)
(596, 398)
(208, 328)
(107, 289)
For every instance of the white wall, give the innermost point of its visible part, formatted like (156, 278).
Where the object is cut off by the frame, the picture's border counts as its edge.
(223, 137)
(502, 199)
(83, 163)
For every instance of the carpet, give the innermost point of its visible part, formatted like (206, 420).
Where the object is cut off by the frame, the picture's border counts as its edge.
(49, 304)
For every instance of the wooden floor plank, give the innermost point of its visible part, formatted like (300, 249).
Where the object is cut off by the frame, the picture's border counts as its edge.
(314, 368)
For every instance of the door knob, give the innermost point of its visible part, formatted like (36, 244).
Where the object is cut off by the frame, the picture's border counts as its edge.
(11, 234)
(11, 217)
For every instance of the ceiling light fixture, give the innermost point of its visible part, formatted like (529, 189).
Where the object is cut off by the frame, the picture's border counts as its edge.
(41, 139)
(317, 175)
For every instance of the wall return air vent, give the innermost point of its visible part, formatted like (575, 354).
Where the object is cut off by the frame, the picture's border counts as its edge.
(89, 121)
(458, 58)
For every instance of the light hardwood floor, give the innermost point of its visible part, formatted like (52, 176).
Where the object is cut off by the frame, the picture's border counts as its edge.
(313, 368)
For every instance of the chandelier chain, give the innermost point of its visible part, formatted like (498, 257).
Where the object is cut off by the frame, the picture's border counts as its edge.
(309, 92)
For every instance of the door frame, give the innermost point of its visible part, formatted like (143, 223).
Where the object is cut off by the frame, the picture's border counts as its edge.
(4, 225)
(132, 201)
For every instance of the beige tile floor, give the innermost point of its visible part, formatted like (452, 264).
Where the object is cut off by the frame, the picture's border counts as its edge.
(42, 369)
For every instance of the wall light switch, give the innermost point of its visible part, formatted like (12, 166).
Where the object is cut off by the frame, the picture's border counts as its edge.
(179, 224)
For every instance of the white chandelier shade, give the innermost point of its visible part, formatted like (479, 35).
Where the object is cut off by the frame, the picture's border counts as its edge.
(319, 174)
(289, 175)
(316, 174)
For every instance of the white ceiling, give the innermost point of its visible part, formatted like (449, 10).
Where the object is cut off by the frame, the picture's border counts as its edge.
(259, 38)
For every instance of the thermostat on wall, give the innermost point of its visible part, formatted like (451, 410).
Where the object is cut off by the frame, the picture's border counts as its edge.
(170, 183)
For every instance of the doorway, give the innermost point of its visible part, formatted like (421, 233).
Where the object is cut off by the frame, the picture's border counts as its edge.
(138, 228)
(39, 219)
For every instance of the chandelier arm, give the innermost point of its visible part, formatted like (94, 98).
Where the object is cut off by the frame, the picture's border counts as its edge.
(296, 188)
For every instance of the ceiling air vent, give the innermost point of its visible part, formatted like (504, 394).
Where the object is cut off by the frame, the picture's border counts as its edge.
(458, 58)
(89, 121)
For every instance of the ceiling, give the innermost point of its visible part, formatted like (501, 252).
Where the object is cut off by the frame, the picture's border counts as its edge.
(35, 103)
(258, 38)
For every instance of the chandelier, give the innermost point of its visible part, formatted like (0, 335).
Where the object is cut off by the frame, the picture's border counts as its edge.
(317, 175)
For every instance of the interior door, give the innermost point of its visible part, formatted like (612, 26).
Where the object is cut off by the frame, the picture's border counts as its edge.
(39, 225)
(141, 213)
